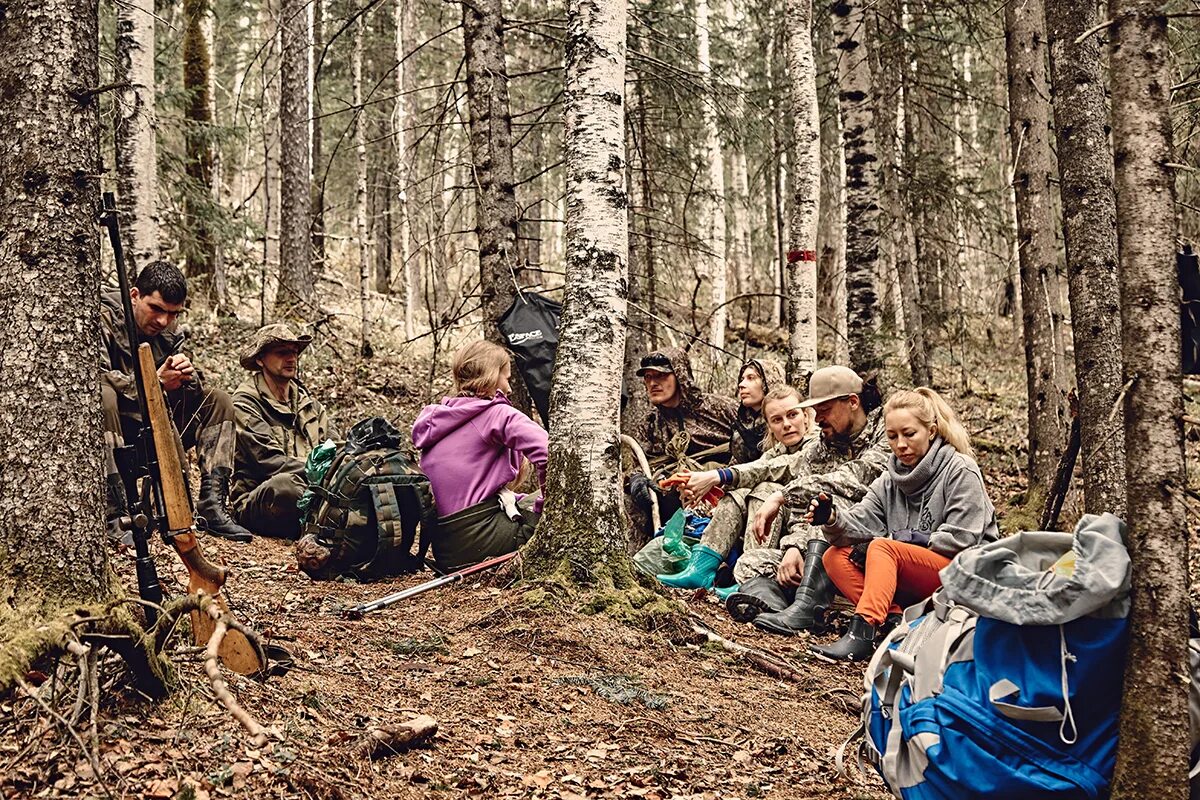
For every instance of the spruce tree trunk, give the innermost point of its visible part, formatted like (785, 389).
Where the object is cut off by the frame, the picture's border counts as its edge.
(802, 227)
(831, 225)
(637, 335)
(739, 251)
(1029, 121)
(491, 154)
(856, 97)
(582, 536)
(1153, 757)
(134, 136)
(1090, 232)
(197, 66)
(318, 168)
(50, 562)
(711, 213)
(295, 168)
(360, 187)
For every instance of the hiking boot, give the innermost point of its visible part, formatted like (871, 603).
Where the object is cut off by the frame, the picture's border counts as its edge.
(755, 596)
(214, 493)
(699, 572)
(723, 593)
(857, 645)
(812, 597)
(116, 510)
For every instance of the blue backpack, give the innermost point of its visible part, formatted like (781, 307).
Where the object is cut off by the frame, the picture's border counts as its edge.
(1007, 682)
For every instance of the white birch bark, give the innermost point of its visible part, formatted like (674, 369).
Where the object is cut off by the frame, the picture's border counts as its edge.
(582, 525)
(739, 250)
(400, 123)
(806, 176)
(712, 205)
(135, 137)
(360, 187)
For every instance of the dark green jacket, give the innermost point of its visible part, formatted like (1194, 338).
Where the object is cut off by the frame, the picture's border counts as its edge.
(274, 437)
(117, 361)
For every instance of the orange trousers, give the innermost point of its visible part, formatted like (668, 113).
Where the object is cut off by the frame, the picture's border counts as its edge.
(892, 568)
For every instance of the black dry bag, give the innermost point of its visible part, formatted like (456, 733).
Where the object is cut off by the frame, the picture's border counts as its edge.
(530, 326)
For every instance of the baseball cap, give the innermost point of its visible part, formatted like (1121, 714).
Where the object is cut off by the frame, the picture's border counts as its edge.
(830, 383)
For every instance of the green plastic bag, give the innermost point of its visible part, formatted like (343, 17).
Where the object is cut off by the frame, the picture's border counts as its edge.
(315, 468)
(672, 538)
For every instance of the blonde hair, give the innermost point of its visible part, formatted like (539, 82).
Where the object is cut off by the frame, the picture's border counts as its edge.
(477, 368)
(931, 409)
(782, 393)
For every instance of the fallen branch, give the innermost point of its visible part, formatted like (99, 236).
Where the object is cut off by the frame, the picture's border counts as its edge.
(225, 623)
(91, 755)
(771, 663)
(388, 740)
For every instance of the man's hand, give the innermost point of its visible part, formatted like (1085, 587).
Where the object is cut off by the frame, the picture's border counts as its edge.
(821, 510)
(698, 485)
(791, 568)
(175, 371)
(639, 490)
(766, 515)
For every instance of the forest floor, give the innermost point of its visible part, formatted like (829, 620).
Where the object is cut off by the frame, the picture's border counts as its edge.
(530, 701)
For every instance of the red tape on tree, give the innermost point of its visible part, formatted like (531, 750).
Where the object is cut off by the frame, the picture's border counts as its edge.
(801, 255)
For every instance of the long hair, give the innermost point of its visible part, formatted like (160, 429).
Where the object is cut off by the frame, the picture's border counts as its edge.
(930, 409)
(477, 367)
(782, 393)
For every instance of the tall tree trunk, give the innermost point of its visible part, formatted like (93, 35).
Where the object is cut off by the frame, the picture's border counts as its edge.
(581, 537)
(646, 197)
(197, 66)
(491, 154)
(892, 60)
(712, 200)
(739, 249)
(402, 119)
(380, 180)
(295, 149)
(856, 95)
(1029, 120)
(530, 224)
(1153, 757)
(831, 225)
(778, 265)
(637, 335)
(318, 168)
(360, 186)
(806, 171)
(134, 136)
(1090, 232)
(49, 386)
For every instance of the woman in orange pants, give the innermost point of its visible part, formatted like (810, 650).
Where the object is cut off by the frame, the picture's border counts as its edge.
(927, 507)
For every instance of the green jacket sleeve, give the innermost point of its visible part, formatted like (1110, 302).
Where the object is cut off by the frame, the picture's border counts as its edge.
(259, 454)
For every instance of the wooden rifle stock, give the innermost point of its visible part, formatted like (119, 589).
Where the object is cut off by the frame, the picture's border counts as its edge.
(238, 652)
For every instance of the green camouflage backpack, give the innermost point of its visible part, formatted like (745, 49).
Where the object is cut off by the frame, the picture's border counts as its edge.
(364, 514)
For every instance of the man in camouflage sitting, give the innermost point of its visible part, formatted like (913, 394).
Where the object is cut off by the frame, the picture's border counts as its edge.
(203, 416)
(279, 424)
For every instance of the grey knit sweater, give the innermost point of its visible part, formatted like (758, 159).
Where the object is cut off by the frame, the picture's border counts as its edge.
(940, 503)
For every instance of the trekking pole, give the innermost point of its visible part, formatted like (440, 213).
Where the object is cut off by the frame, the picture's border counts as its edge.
(354, 612)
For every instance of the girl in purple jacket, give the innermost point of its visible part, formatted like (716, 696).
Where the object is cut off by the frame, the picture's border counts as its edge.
(472, 446)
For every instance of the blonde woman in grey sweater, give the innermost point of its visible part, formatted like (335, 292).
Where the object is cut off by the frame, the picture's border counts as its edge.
(928, 506)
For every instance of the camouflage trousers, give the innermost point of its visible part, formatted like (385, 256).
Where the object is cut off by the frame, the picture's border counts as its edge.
(270, 508)
(733, 521)
(192, 412)
(764, 561)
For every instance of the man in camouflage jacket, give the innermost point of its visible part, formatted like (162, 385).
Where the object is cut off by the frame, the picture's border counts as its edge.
(279, 424)
(203, 416)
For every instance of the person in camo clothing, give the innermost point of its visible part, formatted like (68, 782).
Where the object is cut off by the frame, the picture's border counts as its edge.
(781, 589)
(279, 424)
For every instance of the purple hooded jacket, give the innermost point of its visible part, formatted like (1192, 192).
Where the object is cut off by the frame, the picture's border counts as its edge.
(471, 447)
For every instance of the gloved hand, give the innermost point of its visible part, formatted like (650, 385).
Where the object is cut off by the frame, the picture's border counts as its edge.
(820, 510)
(639, 490)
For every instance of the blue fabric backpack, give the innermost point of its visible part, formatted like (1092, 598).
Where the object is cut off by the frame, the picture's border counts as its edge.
(1007, 682)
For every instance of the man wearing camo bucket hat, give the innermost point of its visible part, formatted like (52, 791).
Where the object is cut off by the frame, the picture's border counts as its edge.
(279, 423)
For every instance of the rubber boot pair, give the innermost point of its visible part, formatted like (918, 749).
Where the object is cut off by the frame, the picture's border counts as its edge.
(700, 571)
(812, 597)
(857, 645)
(755, 596)
(215, 449)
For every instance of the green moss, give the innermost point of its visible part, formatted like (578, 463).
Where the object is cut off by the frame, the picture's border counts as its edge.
(1024, 512)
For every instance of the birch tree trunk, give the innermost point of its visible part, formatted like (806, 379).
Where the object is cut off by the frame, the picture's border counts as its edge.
(295, 292)
(1033, 171)
(360, 187)
(134, 136)
(581, 538)
(1090, 233)
(1153, 757)
(739, 251)
(491, 153)
(49, 389)
(410, 265)
(855, 95)
(318, 168)
(806, 171)
(711, 212)
(197, 66)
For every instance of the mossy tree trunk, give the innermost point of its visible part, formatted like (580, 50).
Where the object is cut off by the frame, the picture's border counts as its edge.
(52, 556)
(581, 538)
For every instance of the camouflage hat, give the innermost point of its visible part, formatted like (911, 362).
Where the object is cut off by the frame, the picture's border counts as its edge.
(269, 336)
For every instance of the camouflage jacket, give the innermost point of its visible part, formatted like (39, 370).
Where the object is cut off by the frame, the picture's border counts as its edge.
(700, 422)
(274, 437)
(843, 472)
(778, 464)
(117, 359)
(749, 426)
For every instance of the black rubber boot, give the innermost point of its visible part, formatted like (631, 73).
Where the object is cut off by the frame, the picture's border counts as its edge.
(214, 492)
(116, 510)
(812, 597)
(857, 645)
(755, 596)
